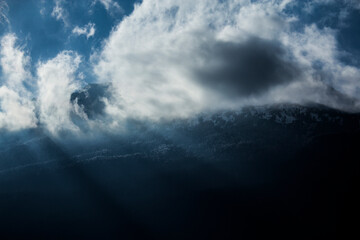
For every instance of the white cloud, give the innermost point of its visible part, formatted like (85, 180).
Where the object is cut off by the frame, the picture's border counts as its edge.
(111, 6)
(13, 62)
(88, 30)
(56, 81)
(60, 13)
(319, 47)
(16, 112)
(16, 106)
(153, 55)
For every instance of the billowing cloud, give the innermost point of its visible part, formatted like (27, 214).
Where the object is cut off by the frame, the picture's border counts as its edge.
(16, 112)
(56, 82)
(88, 30)
(13, 62)
(3, 12)
(173, 58)
(47, 95)
(16, 105)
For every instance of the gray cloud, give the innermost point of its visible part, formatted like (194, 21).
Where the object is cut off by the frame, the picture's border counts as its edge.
(249, 68)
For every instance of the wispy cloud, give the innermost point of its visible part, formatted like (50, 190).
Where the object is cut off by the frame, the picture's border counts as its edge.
(88, 30)
(111, 6)
(4, 8)
(59, 12)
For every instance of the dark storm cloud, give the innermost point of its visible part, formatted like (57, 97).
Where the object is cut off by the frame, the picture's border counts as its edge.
(248, 68)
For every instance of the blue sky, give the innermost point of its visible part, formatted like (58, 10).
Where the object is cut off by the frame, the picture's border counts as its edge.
(169, 59)
(44, 36)
(336, 15)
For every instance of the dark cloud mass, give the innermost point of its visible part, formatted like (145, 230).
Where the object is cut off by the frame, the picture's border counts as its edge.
(247, 68)
(90, 99)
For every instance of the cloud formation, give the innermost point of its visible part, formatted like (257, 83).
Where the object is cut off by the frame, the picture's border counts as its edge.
(56, 82)
(88, 30)
(111, 6)
(17, 110)
(59, 13)
(176, 58)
